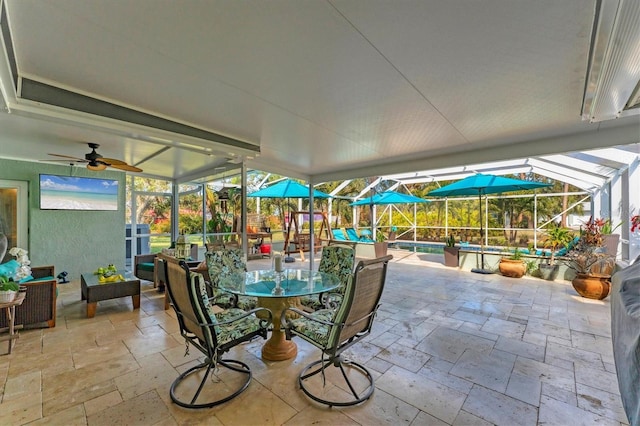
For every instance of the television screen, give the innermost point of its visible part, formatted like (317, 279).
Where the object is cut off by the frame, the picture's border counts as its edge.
(77, 193)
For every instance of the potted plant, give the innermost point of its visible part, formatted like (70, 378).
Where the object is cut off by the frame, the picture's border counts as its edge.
(513, 266)
(593, 268)
(451, 252)
(380, 245)
(609, 239)
(556, 238)
(8, 289)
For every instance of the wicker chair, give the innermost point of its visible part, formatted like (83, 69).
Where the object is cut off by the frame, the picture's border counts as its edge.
(224, 264)
(334, 330)
(39, 306)
(213, 334)
(336, 259)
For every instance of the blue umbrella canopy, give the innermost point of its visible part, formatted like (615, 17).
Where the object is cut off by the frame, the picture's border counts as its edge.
(389, 197)
(481, 184)
(287, 189)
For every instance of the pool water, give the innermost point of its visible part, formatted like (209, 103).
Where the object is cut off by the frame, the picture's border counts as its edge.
(426, 247)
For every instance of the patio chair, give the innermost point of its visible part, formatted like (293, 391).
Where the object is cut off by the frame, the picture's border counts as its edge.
(224, 264)
(338, 260)
(213, 334)
(333, 331)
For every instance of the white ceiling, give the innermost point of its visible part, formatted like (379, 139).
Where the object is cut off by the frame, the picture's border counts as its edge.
(322, 90)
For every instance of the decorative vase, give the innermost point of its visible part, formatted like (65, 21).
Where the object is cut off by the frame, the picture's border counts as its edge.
(7, 296)
(451, 256)
(548, 272)
(592, 286)
(512, 268)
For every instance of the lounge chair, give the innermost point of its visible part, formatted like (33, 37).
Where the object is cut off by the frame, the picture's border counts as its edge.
(338, 235)
(353, 236)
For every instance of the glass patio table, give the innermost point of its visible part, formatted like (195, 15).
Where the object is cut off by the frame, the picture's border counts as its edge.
(277, 291)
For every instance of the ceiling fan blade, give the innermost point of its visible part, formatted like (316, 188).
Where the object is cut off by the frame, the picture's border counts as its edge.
(69, 156)
(70, 160)
(126, 167)
(111, 161)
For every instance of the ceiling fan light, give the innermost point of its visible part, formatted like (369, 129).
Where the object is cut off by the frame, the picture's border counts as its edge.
(96, 167)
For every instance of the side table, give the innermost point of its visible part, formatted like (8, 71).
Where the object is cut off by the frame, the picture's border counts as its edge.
(10, 309)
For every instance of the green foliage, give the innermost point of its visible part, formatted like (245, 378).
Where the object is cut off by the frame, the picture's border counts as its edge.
(380, 237)
(450, 241)
(557, 237)
(7, 285)
(517, 255)
(608, 228)
(190, 223)
(531, 266)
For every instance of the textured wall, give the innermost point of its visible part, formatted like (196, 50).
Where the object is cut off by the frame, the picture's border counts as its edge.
(73, 241)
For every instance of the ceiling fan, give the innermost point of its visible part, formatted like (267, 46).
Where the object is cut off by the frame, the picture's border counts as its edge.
(97, 162)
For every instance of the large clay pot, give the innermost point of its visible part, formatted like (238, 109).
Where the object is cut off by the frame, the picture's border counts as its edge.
(512, 268)
(592, 286)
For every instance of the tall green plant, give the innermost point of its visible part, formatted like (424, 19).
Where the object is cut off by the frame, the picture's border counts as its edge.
(557, 237)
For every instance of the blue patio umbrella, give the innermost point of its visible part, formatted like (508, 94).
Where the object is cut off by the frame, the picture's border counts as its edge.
(482, 184)
(287, 189)
(389, 197)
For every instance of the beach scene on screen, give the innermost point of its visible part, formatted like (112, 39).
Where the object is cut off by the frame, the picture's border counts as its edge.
(78, 193)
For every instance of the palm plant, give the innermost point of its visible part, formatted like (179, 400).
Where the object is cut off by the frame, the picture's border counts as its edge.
(556, 238)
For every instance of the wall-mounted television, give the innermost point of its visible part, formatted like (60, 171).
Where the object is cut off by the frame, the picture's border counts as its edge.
(77, 193)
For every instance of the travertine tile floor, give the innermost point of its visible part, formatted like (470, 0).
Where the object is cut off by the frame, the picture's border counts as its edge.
(448, 347)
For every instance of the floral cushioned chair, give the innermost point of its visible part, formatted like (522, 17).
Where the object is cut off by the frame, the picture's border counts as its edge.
(334, 330)
(226, 264)
(337, 260)
(213, 334)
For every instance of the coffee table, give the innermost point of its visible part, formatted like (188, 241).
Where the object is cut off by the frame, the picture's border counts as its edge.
(94, 291)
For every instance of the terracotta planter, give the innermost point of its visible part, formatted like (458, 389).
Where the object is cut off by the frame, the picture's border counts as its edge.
(451, 257)
(592, 286)
(548, 272)
(512, 268)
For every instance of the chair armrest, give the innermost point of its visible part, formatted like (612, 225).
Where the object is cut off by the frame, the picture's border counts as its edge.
(264, 321)
(144, 258)
(43, 271)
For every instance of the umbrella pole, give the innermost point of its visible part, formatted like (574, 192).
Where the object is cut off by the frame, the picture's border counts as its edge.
(481, 270)
(288, 258)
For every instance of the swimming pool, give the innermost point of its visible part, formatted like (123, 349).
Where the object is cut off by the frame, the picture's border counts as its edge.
(437, 248)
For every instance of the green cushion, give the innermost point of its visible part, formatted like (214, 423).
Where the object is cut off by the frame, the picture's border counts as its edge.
(146, 266)
(47, 278)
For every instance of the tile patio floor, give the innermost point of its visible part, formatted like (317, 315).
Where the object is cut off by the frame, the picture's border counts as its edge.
(448, 347)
